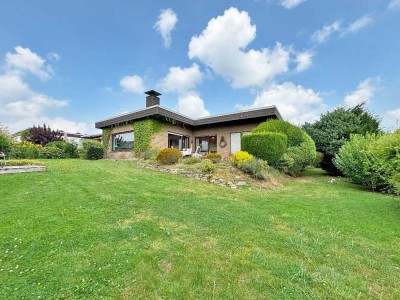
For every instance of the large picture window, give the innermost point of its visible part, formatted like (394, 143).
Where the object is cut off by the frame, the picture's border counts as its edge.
(178, 141)
(123, 141)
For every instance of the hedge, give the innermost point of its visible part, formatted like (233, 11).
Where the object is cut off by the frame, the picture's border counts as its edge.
(268, 146)
(293, 133)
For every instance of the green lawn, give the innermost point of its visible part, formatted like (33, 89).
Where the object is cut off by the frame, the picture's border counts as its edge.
(107, 229)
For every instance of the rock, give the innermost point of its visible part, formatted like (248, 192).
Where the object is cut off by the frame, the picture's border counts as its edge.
(241, 183)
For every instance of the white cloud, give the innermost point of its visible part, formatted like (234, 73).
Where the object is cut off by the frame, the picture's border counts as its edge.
(363, 93)
(394, 4)
(53, 56)
(289, 4)
(181, 80)
(133, 84)
(17, 99)
(191, 104)
(166, 24)
(322, 35)
(295, 103)
(358, 24)
(22, 107)
(303, 60)
(391, 119)
(221, 47)
(25, 61)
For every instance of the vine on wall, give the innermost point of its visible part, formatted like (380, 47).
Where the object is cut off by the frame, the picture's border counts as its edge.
(106, 138)
(144, 131)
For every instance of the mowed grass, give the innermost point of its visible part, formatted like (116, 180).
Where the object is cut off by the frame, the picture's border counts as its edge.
(107, 229)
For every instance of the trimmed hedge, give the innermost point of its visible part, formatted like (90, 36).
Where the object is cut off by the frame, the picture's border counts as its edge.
(169, 156)
(293, 133)
(267, 146)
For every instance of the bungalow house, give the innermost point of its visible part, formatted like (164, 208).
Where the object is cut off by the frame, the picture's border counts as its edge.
(214, 134)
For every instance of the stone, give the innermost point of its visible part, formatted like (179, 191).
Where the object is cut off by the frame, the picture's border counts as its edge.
(241, 183)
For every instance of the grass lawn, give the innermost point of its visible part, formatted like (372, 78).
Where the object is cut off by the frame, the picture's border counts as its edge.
(107, 229)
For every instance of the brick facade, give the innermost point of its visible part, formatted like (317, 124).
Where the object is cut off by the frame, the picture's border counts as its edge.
(160, 140)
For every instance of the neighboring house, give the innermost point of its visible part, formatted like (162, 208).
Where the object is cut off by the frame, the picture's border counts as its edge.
(219, 133)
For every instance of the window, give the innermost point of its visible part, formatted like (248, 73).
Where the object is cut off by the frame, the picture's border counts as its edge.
(207, 143)
(178, 141)
(236, 141)
(123, 141)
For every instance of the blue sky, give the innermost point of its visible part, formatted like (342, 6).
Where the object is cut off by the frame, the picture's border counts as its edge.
(72, 63)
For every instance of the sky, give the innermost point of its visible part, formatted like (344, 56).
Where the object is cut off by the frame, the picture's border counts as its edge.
(71, 63)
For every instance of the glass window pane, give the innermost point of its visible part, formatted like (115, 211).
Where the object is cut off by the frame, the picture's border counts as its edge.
(123, 141)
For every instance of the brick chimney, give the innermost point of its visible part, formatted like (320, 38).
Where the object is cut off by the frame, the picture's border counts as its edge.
(152, 98)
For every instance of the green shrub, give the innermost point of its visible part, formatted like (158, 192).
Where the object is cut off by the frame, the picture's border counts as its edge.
(352, 158)
(318, 159)
(51, 152)
(95, 152)
(207, 166)
(240, 157)
(214, 157)
(169, 156)
(5, 141)
(70, 150)
(293, 133)
(191, 160)
(91, 150)
(372, 160)
(257, 168)
(24, 162)
(150, 154)
(24, 150)
(267, 146)
(294, 161)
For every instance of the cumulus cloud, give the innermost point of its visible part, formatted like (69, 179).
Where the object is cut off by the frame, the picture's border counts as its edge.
(221, 47)
(21, 106)
(25, 61)
(289, 4)
(181, 80)
(394, 4)
(295, 103)
(363, 93)
(191, 104)
(322, 35)
(132, 84)
(303, 60)
(166, 24)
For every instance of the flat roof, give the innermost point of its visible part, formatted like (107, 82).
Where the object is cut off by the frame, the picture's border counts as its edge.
(158, 111)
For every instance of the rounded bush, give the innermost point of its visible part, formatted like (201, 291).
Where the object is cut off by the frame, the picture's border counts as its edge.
(240, 157)
(214, 157)
(257, 168)
(70, 150)
(293, 133)
(207, 166)
(268, 146)
(5, 141)
(95, 152)
(91, 150)
(51, 152)
(169, 156)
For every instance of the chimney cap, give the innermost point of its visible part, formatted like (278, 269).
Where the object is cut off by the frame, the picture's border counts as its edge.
(152, 93)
